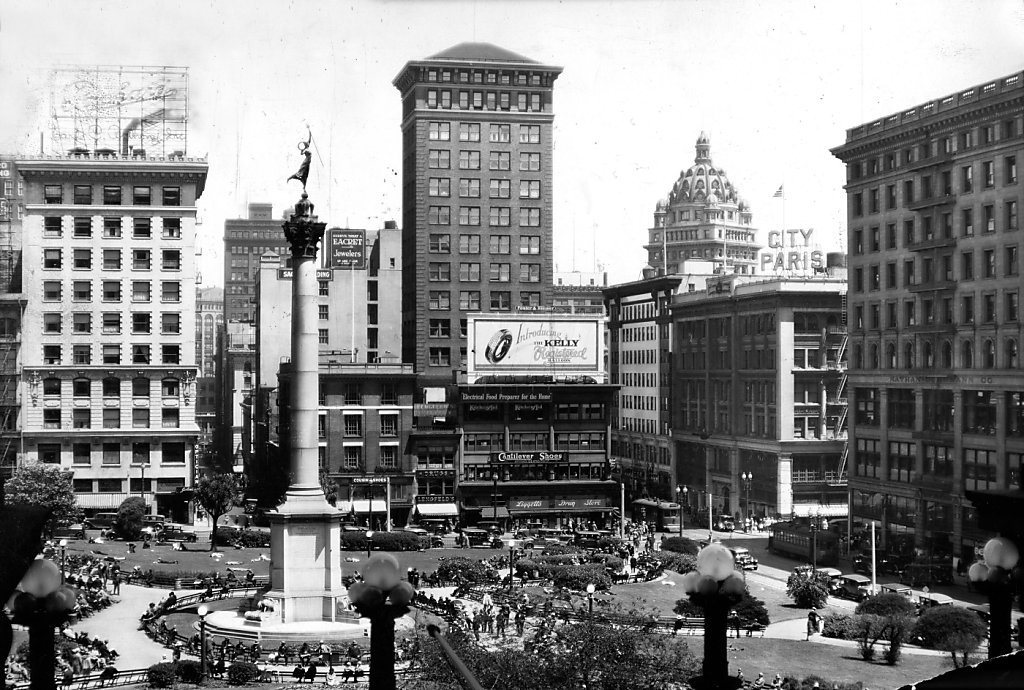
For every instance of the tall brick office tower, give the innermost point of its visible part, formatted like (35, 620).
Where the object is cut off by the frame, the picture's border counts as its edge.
(476, 195)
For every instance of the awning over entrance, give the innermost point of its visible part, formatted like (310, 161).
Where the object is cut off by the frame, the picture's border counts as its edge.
(437, 509)
(487, 513)
(362, 506)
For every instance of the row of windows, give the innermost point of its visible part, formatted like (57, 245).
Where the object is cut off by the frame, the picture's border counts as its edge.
(967, 139)
(440, 243)
(498, 133)
(82, 291)
(980, 466)
(110, 195)
(109, 418)
(171, 453)
(110, 387)
(498, 272)
(470, 188)
(111, 353)
(504, 77)
(983, 263)
(82, 227)
(352, 425)
(352, 457)
(929, 311)
(929, 229)
(440, 159)
(988, 357)
(82, 323)
(928, 186)
(170, 290)
(470, 215)
(470, 300)
(978, 414)
(480, 100)
(82, 259)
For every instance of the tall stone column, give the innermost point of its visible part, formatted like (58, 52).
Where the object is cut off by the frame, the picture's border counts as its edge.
(305, 567)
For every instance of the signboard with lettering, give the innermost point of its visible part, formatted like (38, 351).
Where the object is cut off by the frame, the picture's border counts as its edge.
(527, 456)
(321, 274)
(369, 480)
(506, 395)
(348, 248)
(435, 474)
(535, 344)
(576, 503)
(791, 251)
(443, 498)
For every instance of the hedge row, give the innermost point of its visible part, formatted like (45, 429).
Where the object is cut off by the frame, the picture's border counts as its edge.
(163, 675)
(246, 538)
(384, 541)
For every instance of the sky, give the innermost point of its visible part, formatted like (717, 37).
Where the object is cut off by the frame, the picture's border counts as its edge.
(774, 83)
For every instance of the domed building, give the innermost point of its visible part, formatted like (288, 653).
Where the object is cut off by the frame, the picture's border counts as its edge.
(703, 220)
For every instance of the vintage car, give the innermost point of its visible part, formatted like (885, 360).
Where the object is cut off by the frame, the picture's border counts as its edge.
(172, 532)
(897, 588)
(854, 587)
(475, 536)
(743, 558)
(927, 600)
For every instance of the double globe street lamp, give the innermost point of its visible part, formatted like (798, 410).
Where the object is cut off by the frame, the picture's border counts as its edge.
(748, 479)
(202, 611)
(994, 576)
(382, 597)
(681, 492)
(43, 603)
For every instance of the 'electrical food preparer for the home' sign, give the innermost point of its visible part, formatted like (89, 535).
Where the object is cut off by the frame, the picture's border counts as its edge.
(523, 345)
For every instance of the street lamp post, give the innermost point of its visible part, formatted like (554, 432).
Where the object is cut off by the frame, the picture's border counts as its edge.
(814, 540)
(202, 611)
(63, 551)
(748, 478)
(369, 541)
(382, 597)
(590, 597)
(511, 566)
(494, 495)
(995, 577)
(42, 605)
(680, 492)
(715, 586)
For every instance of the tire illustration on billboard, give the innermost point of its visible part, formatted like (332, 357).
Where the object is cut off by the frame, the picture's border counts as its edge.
(498, 346)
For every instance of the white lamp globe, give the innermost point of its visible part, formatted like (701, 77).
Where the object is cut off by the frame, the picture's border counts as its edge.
(381, 571)
(591, 588)
(715, 561)
(41, 578)
(202, 610)
(1000, 552)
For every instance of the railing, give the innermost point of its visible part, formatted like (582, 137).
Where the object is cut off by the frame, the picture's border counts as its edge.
(810, 476)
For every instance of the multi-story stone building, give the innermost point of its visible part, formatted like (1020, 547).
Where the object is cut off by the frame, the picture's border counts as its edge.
(758, 386)
(245, 240)
(109, 337)
(703, 219)
(209, 322)
(476, 196)
(935, 325)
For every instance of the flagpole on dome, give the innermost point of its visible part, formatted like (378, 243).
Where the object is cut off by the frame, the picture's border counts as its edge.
(780, 193)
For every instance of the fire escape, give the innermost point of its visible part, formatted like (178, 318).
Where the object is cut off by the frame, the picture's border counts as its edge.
(839, 398)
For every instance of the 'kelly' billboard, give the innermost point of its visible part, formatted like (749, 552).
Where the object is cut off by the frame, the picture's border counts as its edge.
(348, 248)
(550, 345)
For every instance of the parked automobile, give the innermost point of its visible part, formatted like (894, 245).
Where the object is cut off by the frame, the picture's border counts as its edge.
(491, 526)
(897, 588)
(588, 539)
(481, 537)
(432, 540)
(854, 587)
(99, 521)
(550, 536)
(927, 600)
(69, 531)
(724, 523)
(983, 613)
(172, 532)
(743, 558)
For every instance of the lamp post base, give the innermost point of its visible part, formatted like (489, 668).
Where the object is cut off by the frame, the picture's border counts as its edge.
(718, 683)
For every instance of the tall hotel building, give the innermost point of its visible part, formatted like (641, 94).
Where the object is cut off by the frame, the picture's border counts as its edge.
(109, 324)
(476, 196)
(934, 310)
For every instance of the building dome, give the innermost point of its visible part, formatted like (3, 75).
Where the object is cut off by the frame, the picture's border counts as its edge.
(661, 206)
(703, 181)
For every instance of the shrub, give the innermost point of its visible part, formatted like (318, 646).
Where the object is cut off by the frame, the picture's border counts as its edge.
(680, 545)
(608, 543)
(189, 671)
(679, 562)
(840, 626)
(579, 576)
(468, 569)
(246, 538)
(128, 523)
(607, 560)
(560, 550)
(952, 629)
(242, 673)
(382, 541)
(750, 610)
(160, 675)
(809, 590)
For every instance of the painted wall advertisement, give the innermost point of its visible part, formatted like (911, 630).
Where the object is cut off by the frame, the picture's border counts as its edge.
(539, 345)
(348, 248)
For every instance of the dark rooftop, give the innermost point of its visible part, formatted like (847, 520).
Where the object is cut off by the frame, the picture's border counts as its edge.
(483, 52)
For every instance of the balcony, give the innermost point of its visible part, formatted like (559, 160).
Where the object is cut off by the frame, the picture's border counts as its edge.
(936, 285)
(933, 242)
(932, 201)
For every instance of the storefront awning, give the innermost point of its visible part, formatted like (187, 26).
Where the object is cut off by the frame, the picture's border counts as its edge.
(832, 510)
(487, 513)
(437, 509)
(362, 506)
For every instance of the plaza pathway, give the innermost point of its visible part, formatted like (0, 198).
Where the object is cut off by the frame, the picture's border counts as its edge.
(119, 626)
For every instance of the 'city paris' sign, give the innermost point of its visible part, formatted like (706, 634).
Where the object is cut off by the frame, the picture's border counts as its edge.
(794, 252)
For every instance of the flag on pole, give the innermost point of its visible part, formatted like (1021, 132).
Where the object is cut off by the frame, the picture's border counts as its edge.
(779, 192)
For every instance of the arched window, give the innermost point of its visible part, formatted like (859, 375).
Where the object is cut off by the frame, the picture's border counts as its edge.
(890, 355)
(947, 355)
(51, 386)
(111, 387)
(81, 387)
(989, 361)
(908, 355)
(140, 387)
(874, 356)
(967, 354)
(1011, 354)
(169, 387)
(929, 355)
(858, 357)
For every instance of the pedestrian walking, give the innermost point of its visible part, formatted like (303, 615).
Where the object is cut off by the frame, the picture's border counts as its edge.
(117, 582)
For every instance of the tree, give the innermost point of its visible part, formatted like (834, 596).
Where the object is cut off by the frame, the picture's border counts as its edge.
(680, 545)
(952, 629)
(218, 494)
(128, 523)
(750, 610)
(885, 617)
(48, 486)
(808, 589)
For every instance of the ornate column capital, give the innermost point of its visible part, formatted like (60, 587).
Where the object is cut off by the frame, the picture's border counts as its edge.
(303, 231)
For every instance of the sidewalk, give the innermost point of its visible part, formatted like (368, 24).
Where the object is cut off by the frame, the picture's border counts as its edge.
(796, 629)
(118, 624)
